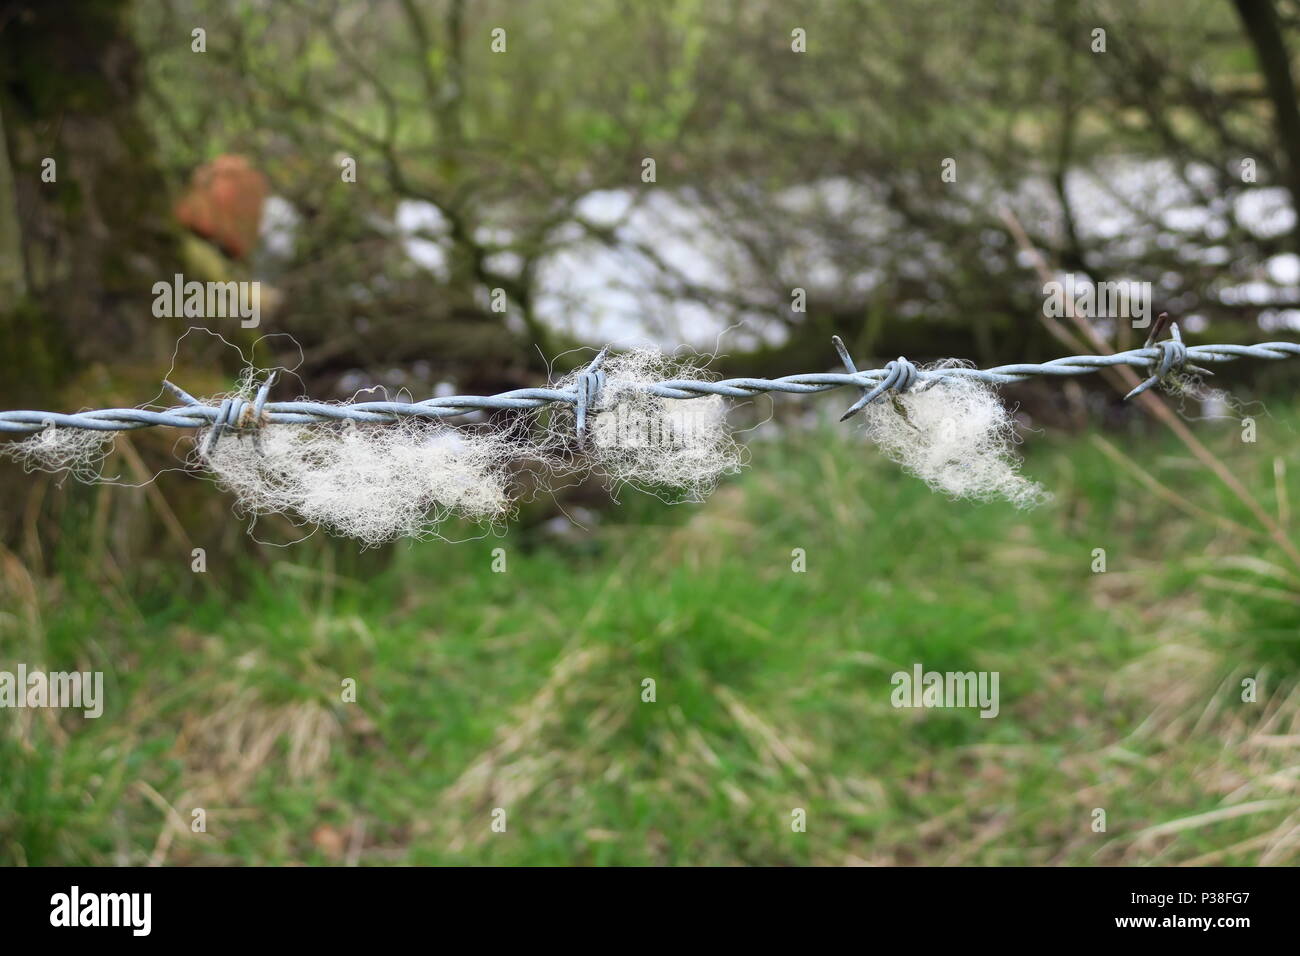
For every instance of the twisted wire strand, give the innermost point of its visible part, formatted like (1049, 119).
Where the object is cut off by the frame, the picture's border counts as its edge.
(238, 413)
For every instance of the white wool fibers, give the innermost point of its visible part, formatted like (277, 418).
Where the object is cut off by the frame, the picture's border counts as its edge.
(675, 448)
(956, 436)
(370, 482)
(78, 452)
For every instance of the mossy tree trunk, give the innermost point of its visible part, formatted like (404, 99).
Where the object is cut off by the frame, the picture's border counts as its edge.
(85, 220)
(85, 224)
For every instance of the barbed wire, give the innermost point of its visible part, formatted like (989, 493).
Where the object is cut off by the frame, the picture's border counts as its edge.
(1159, 358)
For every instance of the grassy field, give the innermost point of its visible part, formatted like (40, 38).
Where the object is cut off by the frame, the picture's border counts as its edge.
(522, 690)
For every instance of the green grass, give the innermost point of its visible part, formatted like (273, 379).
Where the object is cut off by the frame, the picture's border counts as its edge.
(522, 690)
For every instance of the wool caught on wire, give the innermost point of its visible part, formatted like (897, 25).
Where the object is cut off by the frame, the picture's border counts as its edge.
(374, 483)
(63, 451)
(957, 436)
(676, 450)
(378, 470)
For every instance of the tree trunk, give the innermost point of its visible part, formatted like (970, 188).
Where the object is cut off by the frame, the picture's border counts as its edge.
(85, 219)
(93, 228)
(1260, 20)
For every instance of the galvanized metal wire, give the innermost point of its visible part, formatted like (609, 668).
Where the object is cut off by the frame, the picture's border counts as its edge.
(1160, 359)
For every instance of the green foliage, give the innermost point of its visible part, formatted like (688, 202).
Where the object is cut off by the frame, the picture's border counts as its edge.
(522, 689)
